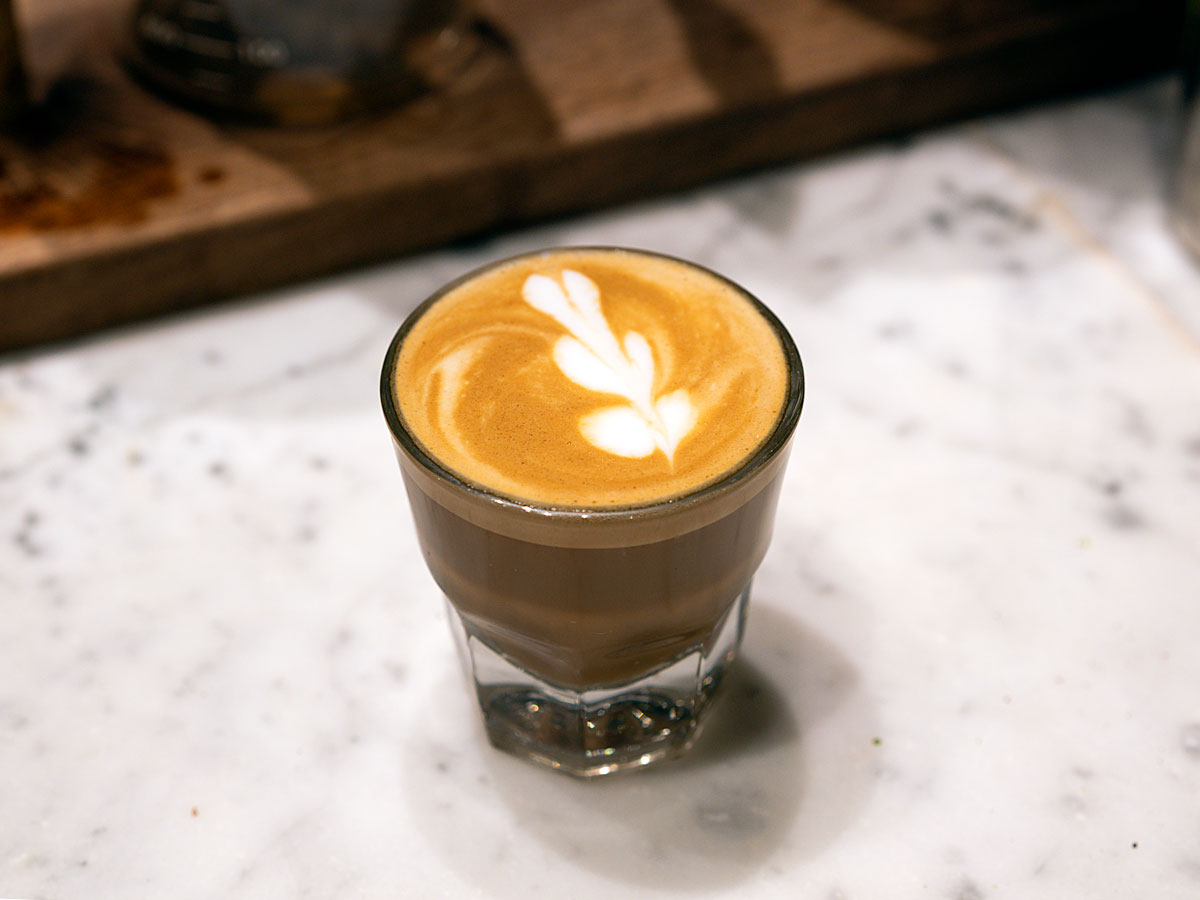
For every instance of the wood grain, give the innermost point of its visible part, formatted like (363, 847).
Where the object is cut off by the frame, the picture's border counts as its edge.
(561, 107)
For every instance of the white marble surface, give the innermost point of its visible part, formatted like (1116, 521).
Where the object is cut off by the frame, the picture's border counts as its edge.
(973, 663)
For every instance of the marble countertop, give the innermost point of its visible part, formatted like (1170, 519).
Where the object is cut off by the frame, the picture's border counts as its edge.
(972, 669)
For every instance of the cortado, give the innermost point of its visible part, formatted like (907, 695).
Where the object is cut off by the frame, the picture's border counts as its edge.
(593, 442)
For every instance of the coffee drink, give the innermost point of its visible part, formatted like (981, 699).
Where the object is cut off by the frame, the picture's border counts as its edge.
(593, 442)
(591, 379)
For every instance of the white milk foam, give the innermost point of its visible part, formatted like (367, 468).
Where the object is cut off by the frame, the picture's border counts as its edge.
(592, 357)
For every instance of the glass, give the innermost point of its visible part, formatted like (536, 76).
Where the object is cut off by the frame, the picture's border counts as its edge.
(595, 639)
(1185, 193)
(292, 62)
(12, 76)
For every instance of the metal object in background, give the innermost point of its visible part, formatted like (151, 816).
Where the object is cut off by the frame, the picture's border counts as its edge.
(13, 88)
(1185, 199)
(292, 62)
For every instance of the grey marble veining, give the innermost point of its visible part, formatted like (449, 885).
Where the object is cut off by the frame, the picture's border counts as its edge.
(971, 666)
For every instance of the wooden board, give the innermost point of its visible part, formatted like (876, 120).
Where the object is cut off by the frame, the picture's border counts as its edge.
(116, 205)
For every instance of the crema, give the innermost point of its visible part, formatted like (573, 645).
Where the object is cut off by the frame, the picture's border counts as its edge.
(591, 378)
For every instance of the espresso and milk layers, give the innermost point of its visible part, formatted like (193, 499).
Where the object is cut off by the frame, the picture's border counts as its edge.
(591, 378)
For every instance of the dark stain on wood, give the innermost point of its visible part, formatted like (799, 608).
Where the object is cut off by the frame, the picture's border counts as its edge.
(60, 170)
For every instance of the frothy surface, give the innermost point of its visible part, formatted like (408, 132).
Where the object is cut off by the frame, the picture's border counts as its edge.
(591, 378)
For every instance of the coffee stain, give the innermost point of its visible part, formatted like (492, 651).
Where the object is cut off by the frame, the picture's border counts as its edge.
(123, 182)
(64, 166)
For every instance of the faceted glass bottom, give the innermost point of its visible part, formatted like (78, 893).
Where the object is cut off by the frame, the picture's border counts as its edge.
(607, 729)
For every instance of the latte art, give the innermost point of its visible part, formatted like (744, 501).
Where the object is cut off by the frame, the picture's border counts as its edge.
(592, 358)
(590, 378)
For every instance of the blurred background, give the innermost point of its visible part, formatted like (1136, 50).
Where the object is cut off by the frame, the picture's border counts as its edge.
(161, 154)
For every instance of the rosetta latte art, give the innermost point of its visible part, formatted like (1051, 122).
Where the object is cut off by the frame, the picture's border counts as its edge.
(590, 378)
(592, 357)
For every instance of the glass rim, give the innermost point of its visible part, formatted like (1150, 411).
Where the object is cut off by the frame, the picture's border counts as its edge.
(768, 448)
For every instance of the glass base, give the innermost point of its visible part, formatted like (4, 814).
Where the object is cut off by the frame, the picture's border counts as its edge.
(599, 731)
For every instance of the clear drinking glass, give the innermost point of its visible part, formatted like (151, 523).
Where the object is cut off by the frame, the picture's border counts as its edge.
(1185, 188)
(595, 638)
(292, 62)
